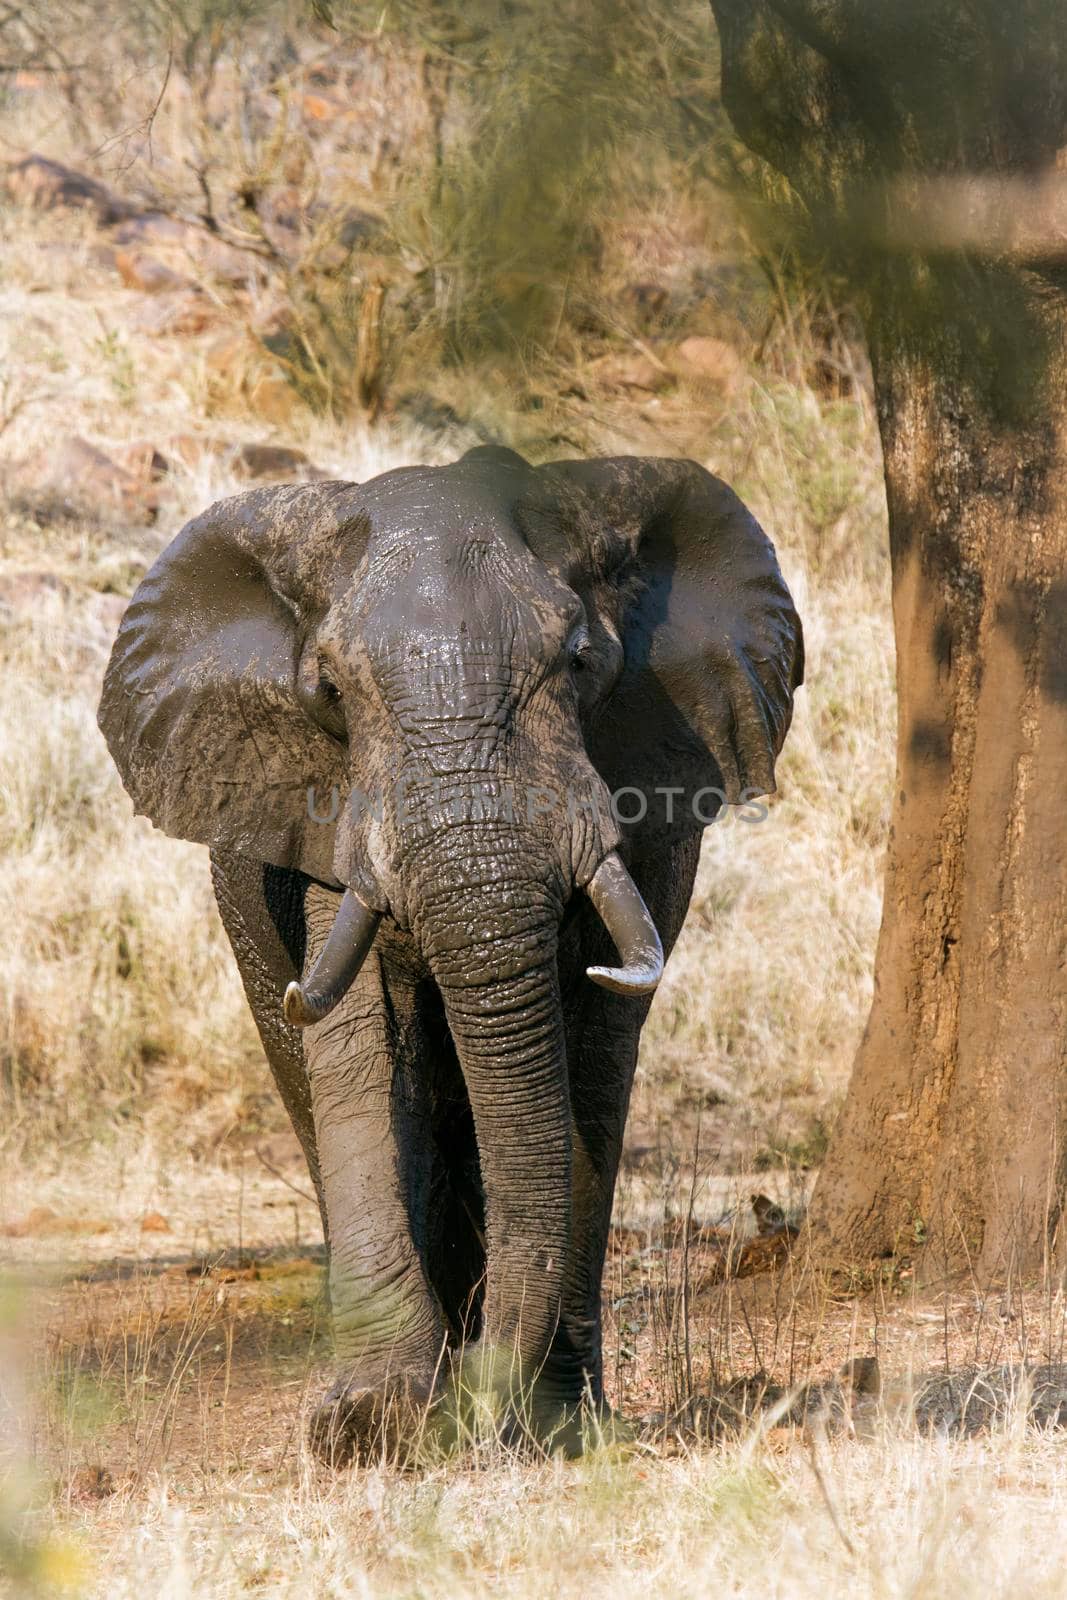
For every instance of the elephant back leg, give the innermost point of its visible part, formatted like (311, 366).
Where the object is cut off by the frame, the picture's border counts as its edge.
(262, 910)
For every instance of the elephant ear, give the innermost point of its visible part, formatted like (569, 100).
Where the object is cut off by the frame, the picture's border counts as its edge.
(200, 708)
(671, 562)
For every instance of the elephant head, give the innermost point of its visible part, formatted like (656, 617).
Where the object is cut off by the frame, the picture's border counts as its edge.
(472, 660)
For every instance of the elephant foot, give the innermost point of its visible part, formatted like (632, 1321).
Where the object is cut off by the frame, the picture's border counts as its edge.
(585, 1428)
(487, 1401)
(570, 1414)
(355, 1425)
(483, 1402)
(490, 1400)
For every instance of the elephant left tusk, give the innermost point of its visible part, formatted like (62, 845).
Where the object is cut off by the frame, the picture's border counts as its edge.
(626, 917)
(339, 961)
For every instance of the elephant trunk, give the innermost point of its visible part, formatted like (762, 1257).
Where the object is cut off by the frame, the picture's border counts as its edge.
(494, 961)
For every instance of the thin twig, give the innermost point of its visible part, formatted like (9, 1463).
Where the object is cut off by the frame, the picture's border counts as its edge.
(272, 1169)
(686, 1235)
(824, 1490)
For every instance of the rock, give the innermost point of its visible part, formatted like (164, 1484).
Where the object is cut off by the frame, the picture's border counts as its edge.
(326, 74)
(187, 312)
(74, 478)
(319, 108)
(436, 416)
(226, 262)
(102, 256)
(241, 374)
(187, 246)
(276, 320)
(228, 357)
(272, 461)
(154, 1222)
(151, 227)
(25, 592)
(138, 269)
(272, 398)
(48, 186)
(770, 1218)
(191, 448)
(636, 371)
(143, 460)
(358, 228)
(709, 361)
(649, 300)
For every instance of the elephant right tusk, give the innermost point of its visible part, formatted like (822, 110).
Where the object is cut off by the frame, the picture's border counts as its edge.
(626, 917)
(339, 961)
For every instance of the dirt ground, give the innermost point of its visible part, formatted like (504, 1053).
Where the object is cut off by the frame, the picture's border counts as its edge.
(172, 1320)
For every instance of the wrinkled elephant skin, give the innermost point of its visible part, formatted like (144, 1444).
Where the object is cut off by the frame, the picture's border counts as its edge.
(452, 737)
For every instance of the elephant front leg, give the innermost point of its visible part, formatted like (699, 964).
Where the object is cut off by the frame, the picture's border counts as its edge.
(602, 1047)
(373, 1138)
(603, 1034)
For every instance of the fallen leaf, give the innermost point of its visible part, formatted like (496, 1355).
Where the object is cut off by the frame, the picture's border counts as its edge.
(91, 1483)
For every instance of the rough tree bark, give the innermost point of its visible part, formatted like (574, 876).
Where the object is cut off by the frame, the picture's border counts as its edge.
(927, 146)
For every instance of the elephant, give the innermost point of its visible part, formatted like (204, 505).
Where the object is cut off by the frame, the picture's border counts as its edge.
(452, 737)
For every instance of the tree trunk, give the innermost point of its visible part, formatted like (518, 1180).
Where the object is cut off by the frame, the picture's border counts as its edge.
(953, 1133)
(924, 145)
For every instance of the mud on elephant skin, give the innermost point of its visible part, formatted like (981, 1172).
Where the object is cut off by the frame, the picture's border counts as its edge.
(452, 737)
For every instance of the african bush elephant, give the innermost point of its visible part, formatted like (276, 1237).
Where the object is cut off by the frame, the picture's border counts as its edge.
(412, 718)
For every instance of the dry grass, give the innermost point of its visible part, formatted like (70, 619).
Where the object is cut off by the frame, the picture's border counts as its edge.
(908, 1518)
(159, 1444)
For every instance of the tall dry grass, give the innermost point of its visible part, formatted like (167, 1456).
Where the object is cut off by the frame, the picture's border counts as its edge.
(895, 1517)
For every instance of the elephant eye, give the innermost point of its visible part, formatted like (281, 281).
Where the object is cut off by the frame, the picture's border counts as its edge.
(329, 691)
(580, 651)
(327, 705)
